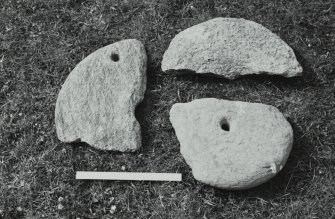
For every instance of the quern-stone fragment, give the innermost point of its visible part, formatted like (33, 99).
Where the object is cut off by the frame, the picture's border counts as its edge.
(96, 103)
(230, 47)
(232, 144)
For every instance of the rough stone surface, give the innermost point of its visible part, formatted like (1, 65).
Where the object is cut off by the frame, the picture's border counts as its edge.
(230, 47)
(232, 144)
(97, 101)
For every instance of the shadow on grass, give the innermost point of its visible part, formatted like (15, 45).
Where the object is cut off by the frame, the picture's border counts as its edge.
(298, 82)
(308, 72)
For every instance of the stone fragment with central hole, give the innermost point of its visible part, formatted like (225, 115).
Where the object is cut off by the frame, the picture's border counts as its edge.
(232, 144)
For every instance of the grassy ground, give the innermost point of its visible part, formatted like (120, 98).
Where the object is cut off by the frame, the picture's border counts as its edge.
(40, 43)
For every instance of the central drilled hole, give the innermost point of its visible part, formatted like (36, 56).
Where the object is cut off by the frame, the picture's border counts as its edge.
(225, 125)
(115, 57)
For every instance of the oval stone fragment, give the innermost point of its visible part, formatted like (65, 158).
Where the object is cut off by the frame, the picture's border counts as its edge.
(96, 103)
(231, 144)
(230, 47)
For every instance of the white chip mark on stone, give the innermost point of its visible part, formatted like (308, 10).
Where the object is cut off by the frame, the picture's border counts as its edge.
(230, 47)
(273, 168)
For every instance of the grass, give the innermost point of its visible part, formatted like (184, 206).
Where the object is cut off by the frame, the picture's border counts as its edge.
(42, 41)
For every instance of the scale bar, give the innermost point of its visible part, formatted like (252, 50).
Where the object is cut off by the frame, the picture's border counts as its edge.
(131, 176)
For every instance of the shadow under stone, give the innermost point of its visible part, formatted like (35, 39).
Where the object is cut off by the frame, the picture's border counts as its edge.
(297, 82)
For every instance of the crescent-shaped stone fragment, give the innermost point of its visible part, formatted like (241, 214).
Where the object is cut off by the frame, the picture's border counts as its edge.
(96, 103)
(230, 47)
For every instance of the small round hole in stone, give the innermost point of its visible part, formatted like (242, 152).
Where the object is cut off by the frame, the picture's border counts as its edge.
(115, 57)
(225, 125)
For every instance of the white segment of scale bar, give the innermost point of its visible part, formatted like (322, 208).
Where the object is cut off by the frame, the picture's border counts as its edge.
(94, 175)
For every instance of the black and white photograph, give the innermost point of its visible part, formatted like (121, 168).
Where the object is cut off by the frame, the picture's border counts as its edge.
(167, 109)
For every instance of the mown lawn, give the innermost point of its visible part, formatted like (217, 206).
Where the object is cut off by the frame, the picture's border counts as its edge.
(41, 41)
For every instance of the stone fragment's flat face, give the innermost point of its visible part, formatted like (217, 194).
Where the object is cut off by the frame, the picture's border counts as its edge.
(97, 101)
(232, 144)
(230, 47)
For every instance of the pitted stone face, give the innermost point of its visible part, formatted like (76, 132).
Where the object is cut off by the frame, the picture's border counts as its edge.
(230, 47)
(97, 101)
(232, 144)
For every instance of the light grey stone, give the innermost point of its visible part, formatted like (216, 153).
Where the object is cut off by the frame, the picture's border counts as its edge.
(96, 103)
(232, 144)
(230, 47)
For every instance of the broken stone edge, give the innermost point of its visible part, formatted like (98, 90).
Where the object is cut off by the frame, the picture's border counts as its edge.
(137, 100)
